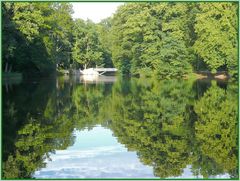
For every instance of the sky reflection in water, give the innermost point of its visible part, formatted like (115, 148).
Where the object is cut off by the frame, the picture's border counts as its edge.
(97, 154)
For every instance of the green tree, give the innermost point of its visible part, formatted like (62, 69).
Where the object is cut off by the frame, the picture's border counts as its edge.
(216, 28)
(150, 37)
(59, 26)
(38, 36)
(28, 19)
(103, 29)
(86, 49)
(21, 22)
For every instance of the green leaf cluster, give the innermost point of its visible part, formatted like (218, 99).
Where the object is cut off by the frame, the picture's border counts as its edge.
(174, 39)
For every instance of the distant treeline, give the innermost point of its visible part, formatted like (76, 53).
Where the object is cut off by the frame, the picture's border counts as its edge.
(167, 39)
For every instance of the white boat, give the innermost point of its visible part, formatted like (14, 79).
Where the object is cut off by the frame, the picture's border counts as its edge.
(89, 71)
(96, 71)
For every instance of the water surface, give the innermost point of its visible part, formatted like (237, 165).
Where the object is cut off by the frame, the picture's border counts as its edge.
(69, 127)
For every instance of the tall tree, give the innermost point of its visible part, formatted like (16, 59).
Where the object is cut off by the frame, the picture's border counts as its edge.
(150, 37)
(216, 28)
(86, 49)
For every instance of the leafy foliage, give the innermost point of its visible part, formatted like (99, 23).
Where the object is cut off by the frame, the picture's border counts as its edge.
(86, 50)
(166, 39)
(160, 38)
(216, 28)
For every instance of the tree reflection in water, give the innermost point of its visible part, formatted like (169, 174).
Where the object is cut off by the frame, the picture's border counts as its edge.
(170, 124)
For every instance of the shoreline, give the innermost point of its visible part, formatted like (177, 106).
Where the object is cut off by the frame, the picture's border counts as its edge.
(217, 76)
(194, 75)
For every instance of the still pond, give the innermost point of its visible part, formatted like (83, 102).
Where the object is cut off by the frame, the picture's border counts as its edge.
(114, 127)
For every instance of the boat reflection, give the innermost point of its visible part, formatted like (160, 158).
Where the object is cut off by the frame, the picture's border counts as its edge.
(97, 79)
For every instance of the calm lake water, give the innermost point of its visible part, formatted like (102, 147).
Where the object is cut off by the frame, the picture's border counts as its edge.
(119, 128)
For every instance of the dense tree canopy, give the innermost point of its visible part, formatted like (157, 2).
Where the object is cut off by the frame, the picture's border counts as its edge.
(216, 28)
(150, 37)
(167, 39)
(86, 50)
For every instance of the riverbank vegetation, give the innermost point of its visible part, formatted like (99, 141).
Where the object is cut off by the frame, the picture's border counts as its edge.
(166, 40)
